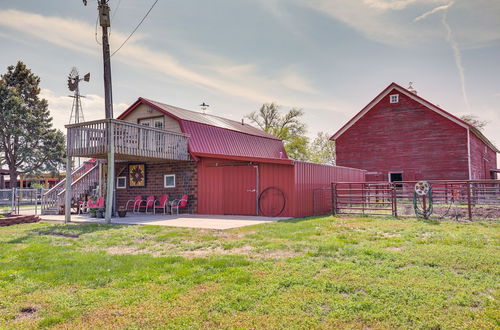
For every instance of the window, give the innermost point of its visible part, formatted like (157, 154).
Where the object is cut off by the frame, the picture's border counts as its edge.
(169, 181)
(121, 182)
(394, 98)
(395, 176)
(158, 123)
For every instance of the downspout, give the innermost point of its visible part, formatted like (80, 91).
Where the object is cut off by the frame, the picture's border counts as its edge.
(468, 154)
(257, 189)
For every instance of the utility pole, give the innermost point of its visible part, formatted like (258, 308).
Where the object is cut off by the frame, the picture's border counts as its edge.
(105, 22)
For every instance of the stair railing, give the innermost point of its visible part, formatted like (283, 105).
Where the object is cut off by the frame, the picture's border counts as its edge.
(81, 186)
(49, 198)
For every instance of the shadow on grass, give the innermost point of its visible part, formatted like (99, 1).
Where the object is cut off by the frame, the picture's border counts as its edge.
(65, 230)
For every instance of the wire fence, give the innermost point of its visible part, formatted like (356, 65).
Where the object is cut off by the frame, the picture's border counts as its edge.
(21, 201)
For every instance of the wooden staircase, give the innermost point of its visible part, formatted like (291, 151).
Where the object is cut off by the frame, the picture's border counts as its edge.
(84, 180)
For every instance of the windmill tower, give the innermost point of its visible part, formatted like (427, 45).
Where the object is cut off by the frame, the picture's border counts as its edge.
(73, 85)
(76, 115)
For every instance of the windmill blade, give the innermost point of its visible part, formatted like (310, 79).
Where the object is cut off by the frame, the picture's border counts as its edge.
(72, 83)
(86, 77)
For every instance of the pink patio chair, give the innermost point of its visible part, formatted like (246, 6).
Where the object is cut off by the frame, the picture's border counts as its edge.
(161, 203)
(135, 203)
(147, 203)
(179, 204)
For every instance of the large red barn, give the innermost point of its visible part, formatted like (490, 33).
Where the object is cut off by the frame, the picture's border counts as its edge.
(401, 136)
(231, 166)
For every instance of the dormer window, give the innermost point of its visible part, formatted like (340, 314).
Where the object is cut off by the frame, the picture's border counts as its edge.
(394, 98)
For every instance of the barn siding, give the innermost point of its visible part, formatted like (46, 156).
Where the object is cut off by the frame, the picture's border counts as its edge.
(483, 159)
(405, 137)
(296, 181)
(309, 176)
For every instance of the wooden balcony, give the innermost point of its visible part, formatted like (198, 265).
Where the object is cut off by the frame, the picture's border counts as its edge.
(131, 141)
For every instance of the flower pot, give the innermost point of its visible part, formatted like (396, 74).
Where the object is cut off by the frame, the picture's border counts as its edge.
(100, 214)
(122, 214)
(93, 215)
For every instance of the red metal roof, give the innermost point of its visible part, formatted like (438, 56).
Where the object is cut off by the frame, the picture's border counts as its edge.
(417, 98)
(221, 137)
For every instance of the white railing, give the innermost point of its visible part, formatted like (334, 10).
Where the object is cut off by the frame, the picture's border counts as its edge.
(51, 197)
(81, 186)
(90, 139)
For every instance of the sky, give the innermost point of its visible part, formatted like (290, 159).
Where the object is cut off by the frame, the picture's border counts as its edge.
(328, 57)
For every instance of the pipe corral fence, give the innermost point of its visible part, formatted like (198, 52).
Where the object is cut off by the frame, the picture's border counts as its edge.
(444, 199)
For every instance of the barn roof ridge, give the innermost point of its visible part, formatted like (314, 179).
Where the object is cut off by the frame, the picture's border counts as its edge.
(182, 114)
(219, 137)
(419, 99)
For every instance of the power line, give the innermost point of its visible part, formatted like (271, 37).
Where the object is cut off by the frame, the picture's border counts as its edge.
(130, 35)
(116, 9)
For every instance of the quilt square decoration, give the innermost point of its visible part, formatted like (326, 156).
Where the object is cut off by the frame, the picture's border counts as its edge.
(137, 175)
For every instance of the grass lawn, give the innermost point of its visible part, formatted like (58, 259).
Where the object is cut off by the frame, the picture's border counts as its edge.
(309, 273)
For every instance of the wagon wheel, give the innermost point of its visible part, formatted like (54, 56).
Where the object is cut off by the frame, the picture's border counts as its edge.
(272, 202)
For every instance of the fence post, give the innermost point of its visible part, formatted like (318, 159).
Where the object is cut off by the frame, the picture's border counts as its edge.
(334, 199)
(394, 200)
(13, 200)
(469, 201)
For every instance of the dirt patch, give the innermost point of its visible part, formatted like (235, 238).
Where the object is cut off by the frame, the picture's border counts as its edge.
(61, 235)
(394, 248)
(27, 313)
(390, 235)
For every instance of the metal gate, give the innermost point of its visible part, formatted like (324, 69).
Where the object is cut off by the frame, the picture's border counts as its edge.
(364, 198)
(21, 201)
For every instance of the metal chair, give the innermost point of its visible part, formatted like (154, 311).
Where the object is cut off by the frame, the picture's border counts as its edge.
(179, 204)
(161, 203)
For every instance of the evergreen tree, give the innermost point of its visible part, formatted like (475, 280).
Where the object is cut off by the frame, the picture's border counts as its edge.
(28, 142)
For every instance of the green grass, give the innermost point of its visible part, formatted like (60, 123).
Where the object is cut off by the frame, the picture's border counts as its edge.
(305, 273)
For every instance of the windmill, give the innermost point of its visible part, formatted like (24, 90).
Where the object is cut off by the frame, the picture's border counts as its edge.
(73, 85)
(76, 115)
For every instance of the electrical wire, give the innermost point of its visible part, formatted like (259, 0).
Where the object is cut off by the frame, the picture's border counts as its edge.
(133, 31)
(116, 10)
(97, 40)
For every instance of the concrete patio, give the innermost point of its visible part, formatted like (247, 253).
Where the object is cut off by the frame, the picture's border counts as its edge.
(183, 220)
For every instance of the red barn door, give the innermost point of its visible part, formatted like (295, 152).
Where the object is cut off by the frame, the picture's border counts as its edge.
(239, 190)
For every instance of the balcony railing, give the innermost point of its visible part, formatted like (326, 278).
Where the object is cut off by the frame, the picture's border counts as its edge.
(131, 141)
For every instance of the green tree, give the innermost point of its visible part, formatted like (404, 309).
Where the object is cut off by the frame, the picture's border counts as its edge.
(28, 142)
(287, 127)
(474, 121)
(322, 149)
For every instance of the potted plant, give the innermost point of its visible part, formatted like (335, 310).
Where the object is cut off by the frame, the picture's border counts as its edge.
(93, 212)
(100, 213)
(122, 212)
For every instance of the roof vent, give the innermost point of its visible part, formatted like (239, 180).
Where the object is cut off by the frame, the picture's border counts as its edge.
(204, 107)
(411, 89)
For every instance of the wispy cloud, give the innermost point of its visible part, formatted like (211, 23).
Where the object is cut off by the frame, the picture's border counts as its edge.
(433, 11)
(219, 74)
(457, 55)
(60, 107)
(390, 21)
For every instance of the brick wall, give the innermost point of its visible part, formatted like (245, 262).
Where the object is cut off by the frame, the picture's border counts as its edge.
(186, 182)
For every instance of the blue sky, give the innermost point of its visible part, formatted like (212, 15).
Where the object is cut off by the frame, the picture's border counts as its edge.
(329, 57)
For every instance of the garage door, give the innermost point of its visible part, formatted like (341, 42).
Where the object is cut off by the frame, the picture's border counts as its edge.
(239, 190)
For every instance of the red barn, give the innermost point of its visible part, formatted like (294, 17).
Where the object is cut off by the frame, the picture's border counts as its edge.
(401, 136)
